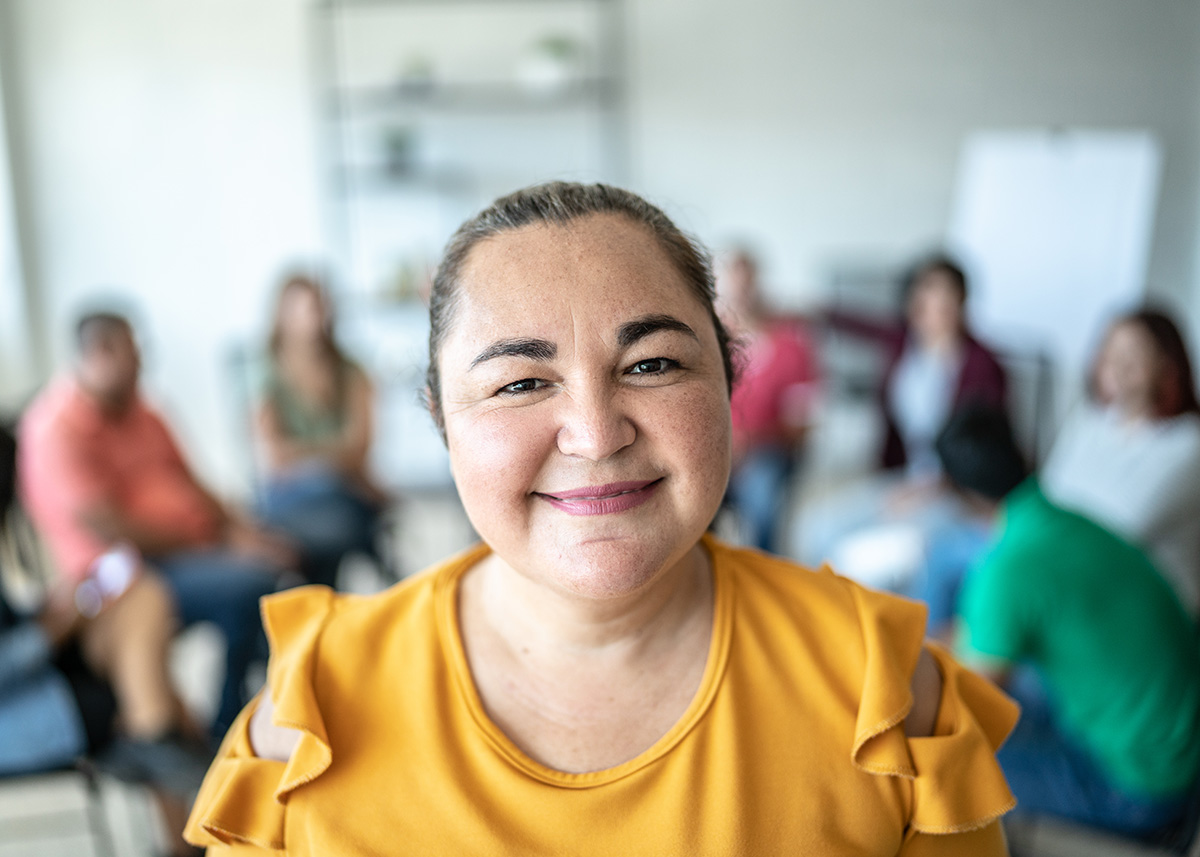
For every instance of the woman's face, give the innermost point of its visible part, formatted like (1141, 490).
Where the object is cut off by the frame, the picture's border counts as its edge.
(935, 308)
(1128, 369)
(585, 405)
(302, 314)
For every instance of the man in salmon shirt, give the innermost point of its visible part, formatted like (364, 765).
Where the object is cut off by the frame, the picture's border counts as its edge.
(98, 467)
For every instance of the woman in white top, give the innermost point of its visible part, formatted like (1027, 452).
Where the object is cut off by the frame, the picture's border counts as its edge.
(1130, 456)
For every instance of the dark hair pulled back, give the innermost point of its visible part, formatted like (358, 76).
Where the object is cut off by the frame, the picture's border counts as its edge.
(558, 204)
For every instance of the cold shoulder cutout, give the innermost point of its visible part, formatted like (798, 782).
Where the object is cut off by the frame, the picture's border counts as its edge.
(957, 785)
(926, 689)
(268, 741)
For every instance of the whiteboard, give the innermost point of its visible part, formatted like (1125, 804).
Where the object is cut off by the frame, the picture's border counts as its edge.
(1055, 228)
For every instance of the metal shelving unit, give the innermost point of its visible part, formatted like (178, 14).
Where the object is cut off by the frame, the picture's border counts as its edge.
(434, 166)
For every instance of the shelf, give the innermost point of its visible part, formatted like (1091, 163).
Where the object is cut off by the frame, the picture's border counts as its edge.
(478, 97)
(405, 157)
(379, 177)
(343, 5)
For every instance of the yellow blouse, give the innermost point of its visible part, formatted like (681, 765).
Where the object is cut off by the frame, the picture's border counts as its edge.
(794, 743)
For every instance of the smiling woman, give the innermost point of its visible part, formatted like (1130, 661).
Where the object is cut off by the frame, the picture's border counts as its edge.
(600, 676)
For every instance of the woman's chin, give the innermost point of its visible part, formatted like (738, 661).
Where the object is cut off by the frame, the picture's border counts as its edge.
(610, 571)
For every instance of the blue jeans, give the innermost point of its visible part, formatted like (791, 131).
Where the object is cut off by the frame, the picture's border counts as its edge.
(324, 515)
(1051, 774)
(949, 554)
(224, 588)
(758, 492)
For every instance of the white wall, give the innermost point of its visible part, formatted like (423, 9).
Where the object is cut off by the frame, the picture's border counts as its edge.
(171, 159)
(834, 129)
(170, 146)
(16, 363)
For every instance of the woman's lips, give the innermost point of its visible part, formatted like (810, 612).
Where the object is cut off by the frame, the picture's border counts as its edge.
(602, 499)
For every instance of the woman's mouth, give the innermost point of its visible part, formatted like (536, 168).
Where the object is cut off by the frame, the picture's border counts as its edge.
(602, 499)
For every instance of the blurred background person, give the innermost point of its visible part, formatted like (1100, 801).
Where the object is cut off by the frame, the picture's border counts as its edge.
(773, 399)
(1129, 457)
(314, 423)
(83, 671)
(934, 367)
(1081, 628)
(98, 467)
(876, 529)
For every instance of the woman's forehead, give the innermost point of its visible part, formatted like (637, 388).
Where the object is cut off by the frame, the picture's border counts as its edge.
(596, 261)
(1130, 335)
(594, 242)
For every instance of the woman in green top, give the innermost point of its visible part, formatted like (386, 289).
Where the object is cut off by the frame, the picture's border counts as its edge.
(314, 423)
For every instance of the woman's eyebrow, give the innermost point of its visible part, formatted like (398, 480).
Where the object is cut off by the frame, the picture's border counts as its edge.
(632, 331)
(530, 349)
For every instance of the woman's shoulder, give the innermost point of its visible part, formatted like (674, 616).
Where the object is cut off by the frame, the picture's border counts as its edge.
(917, 713)
(1093, 425)
(317, 608)
(316, 617)
(980, 362)
(1184, 431)
(834, 625)
(818, 594)
(827, 627)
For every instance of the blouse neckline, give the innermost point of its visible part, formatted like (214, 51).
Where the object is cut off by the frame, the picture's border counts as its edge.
(446, 608)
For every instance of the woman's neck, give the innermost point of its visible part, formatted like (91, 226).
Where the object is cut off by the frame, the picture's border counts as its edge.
(533, 617)
(302, 348)
(945, 345)
(579, 685)
(1133, 412)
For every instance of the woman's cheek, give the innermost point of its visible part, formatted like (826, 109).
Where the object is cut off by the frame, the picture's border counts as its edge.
(700, 428)
(495, 452)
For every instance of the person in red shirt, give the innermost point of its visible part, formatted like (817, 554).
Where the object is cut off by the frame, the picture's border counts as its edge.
(772, 400)
(98, 467)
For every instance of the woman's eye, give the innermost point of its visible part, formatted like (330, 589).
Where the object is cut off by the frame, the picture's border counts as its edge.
(654, 366)
(526, 385)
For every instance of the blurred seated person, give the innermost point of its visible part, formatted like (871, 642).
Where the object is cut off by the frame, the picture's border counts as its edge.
(1081, 628)
(772, 399)
(934, 365)
(315, 422)
(1129, 457)
(935, 368)
(99, 466)
(84, 670)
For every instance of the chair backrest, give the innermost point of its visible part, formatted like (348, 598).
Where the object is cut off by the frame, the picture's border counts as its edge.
(25, 568)
(8, 468)
(1030, 399)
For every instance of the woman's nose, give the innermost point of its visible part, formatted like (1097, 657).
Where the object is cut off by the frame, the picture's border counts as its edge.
(594, 424)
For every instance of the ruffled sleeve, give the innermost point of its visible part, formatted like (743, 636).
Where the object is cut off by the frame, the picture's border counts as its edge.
(243, 800)
(957, 785)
